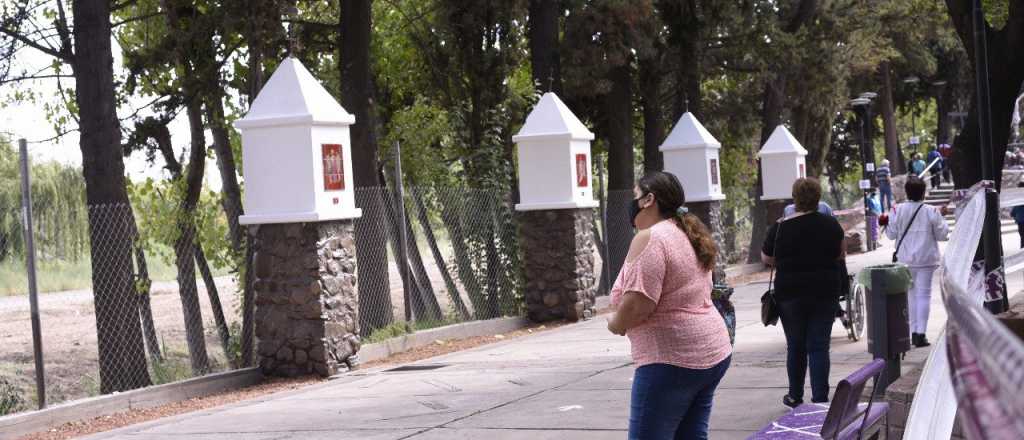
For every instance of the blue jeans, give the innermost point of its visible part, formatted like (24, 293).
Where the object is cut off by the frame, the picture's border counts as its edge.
(885, 196)
(807, 323)
(671, 402)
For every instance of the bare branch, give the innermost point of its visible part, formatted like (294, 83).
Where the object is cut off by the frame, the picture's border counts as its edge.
(62, 30)
(31, 77)
(135, 19)
(33, 44)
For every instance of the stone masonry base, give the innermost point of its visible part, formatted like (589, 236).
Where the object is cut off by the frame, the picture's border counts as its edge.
(306, 298)
(558, 256)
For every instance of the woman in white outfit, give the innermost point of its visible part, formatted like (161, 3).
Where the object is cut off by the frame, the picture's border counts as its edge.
(917, 229)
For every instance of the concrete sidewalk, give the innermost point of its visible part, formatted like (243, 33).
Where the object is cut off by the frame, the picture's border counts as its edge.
(568, 383)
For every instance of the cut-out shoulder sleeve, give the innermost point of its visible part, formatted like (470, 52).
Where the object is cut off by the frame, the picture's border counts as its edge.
(644, 271)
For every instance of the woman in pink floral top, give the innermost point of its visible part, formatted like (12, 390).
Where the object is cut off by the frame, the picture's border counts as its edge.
(662, 296)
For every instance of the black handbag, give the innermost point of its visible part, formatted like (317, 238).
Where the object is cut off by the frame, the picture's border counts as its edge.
(770, 308)
(905, 230)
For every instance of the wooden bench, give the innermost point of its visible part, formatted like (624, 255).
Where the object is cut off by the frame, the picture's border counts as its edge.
(845, 418)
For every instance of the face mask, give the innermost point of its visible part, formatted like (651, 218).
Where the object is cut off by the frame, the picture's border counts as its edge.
(634, 210)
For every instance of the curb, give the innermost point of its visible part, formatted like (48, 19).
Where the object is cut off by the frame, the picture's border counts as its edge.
(383, 349)
(743, 269)
(20, 424)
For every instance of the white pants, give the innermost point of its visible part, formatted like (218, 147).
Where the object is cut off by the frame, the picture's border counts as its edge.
(920, 298)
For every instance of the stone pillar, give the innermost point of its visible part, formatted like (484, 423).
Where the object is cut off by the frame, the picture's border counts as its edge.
(558, 260)
(710, 213)
(306, 298)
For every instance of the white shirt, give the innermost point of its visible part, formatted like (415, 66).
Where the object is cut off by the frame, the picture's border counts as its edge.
(920, 248)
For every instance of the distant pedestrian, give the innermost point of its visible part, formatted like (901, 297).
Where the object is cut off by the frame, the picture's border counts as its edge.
(875, 211)
(680, 344)
(883, 176)
(1018, 216)
(947, 162)
(935, 160)
(807, 252)
(917, 165)
(917, 229)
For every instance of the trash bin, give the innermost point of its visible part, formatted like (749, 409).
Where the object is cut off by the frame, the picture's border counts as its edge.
(888, 319)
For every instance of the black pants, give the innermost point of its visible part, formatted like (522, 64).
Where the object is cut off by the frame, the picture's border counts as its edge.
(1020, 230)
(936, 178)
(807, 323)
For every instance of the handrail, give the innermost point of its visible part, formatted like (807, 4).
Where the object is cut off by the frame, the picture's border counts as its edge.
(929, 167)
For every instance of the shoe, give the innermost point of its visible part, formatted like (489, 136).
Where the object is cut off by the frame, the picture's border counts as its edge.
(791, 402)
(919, 340)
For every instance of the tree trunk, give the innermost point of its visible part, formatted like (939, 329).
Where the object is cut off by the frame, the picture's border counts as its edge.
(424, 305)
(891, 128)
(215, 305)
(771, 116)
(356, 96)
(542, 34)
(944, 105)
(122, 355)
(654, 124)
(452, 213)
(428, 231)
(184, 246)
(231, 191)
(1006, 75)
(143, 284)
(618, 108)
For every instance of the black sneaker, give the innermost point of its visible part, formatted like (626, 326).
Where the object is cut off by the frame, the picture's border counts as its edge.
(919, 340)
(791, 402)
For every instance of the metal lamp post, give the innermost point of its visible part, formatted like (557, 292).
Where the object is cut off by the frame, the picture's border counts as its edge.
(862, 105)
(995, 301)
(914, 141)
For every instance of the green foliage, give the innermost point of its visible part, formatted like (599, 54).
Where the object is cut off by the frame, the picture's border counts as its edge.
(10, 398)
(157, 208)
(58, 204)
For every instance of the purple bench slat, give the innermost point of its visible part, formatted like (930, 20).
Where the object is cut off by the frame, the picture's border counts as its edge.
(844, 418)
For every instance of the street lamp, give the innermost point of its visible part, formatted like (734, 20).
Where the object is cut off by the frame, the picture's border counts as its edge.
(862, 106)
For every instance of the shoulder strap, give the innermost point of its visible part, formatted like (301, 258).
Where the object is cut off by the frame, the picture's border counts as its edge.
(907, 228)
(775, 250)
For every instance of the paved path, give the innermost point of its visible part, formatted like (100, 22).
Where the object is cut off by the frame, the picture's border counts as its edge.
(568, 383)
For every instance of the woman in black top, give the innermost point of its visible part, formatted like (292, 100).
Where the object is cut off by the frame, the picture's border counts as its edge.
(806, 250)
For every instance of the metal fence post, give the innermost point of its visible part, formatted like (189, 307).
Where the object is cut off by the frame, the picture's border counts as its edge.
(605, 265)
(30, 266)
(402, 236)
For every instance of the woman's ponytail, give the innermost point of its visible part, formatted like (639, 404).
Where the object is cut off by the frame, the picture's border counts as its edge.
(700, 239)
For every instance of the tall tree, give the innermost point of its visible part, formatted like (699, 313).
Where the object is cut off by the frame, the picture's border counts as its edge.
(355, 26)
(1006, 75)
(85, 46)
(544, 28)
(772, 107)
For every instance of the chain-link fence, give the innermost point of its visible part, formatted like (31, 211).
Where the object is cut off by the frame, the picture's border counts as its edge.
(128, 304)
(119, 314)
(444, 255)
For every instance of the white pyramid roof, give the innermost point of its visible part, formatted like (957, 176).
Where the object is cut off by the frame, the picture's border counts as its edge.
(689, 133)
(293, 95)
(551, 118)
(782, 142)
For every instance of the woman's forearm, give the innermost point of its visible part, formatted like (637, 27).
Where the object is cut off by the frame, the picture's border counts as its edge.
(633, 311)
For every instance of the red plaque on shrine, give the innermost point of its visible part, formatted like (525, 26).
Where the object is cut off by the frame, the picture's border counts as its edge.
(334, 167)
(803, 171)
(582, 171)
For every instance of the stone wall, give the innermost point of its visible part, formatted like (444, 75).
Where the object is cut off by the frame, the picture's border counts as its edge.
(306, 298)
(900, 396)
(558, 259)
